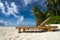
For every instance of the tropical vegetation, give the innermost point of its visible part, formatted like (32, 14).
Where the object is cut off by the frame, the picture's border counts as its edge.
(53, 11)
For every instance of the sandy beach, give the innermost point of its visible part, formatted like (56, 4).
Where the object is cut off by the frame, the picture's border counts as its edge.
(11, 33)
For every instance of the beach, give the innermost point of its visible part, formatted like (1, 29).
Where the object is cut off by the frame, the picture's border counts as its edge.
(11, 33)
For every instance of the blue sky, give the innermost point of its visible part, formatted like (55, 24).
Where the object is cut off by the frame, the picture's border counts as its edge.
(19, 12)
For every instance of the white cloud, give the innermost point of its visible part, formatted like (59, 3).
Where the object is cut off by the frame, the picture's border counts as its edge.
(6, 23)
(20, 20)
(10, 10)
(13, 10)
(26, 2)
(2, 7)
(1, 21)
(29, 1)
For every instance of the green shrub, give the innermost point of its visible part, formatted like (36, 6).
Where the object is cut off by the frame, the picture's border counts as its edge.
(54, 20)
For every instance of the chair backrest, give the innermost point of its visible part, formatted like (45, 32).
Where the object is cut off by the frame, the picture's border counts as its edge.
(45, 21)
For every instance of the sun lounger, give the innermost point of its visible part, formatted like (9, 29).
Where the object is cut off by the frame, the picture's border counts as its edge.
(41, 26)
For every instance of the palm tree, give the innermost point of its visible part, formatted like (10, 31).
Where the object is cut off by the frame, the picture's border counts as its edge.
(36, 13)
(39, 15)
(53, 7)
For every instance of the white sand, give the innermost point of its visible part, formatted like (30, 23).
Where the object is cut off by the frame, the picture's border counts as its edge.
(10, 33)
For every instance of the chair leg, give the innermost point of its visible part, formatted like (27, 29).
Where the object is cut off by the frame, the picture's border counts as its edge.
(23, 30)
(19, 30)
(49, 30)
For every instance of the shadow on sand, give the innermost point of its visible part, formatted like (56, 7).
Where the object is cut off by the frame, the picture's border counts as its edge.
(55, 30)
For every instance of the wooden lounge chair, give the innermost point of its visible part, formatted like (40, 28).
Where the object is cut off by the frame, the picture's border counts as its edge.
(41, 26)
(48, 28)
